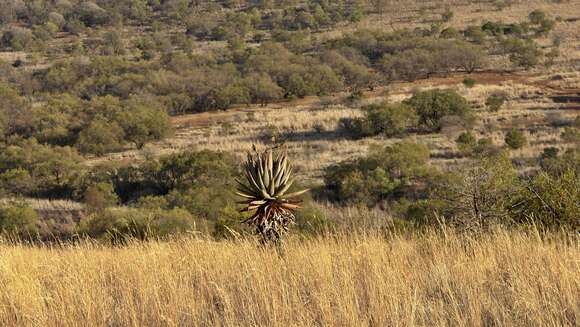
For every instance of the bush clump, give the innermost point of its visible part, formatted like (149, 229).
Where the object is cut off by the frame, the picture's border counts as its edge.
(431, 106)
(121, 224)
(494, 102)
(466, 142)
(515, 139)
(551, 201)
(18, 220)
(469, 82)
(384, 119)
(382, 174)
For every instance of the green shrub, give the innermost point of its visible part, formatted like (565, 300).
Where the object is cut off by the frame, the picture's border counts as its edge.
(515, 139)
(121, 224)
(545, 27)
(91, 14)
(492, 28)
(549, 153)
(551, 201)
(378, 176)
(100, 196)
(494, 102)
(142, 124)
(52, 169)
(524, 54)
(17, 38)
(391, 119)
(555, 165)
(482, 194)
(466, 142)
(199, 182)
(469, 82)
(475, 34)
(58, 120)
(100, 137)
(409, 65)
(431, 106)
(18, 220)
(382, 119)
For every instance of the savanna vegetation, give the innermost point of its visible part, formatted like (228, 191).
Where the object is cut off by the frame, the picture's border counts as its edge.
(110, 76)
(408, 162)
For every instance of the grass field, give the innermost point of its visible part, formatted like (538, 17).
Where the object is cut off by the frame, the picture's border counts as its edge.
(502, 278)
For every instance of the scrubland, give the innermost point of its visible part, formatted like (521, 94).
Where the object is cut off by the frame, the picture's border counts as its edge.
(438, 278)
(129, 119)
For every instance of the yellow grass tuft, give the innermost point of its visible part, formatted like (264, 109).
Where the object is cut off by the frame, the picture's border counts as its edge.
(508, 278)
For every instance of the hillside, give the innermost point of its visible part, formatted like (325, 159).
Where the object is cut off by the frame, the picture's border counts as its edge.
(101, 101)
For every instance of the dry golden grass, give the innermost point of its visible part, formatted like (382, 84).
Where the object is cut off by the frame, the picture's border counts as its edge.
(505, 278)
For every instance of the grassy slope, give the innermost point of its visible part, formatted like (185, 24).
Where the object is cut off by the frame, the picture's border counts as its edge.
(507, 278)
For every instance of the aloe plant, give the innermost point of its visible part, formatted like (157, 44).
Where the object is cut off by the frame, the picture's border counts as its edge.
(266, 191)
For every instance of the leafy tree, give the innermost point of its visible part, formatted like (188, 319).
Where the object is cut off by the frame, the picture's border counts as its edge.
(551, 201)
(52, 170)
(91, 14)
(296, 86)
(389, 119)
(230, 95)
(62, 76)
(100, 196)
(524, 54)
(467, 57)
(58, 120)
(355, 75)
(196, 181)
(143, 124)
(431, 106)
(185, 170)
(100, 136)
(14, 112)
(384, 173)
(262, 89)
(18, 220)
(482, 194)
(408, 65)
